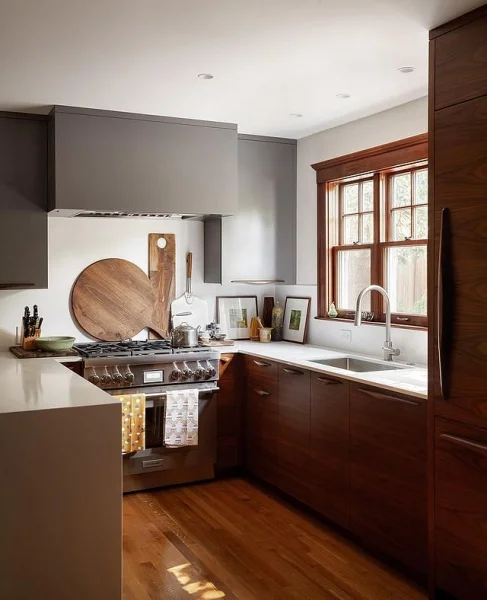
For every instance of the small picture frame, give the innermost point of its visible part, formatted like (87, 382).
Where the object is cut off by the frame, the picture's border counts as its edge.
(296, 317)
(234, 315)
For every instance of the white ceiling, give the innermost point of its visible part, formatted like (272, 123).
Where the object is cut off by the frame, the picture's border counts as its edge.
(270, 58)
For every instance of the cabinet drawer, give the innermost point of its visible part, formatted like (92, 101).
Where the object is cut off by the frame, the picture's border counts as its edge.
(461, 64)
(261, 370)
(461, 509)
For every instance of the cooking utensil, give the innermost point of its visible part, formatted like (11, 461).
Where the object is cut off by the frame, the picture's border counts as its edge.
(113, 299)
(188, 302)
(162, 269)
(54, 343)
(184, 336)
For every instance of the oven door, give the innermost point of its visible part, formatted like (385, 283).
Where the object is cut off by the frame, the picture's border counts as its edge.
(156, 455)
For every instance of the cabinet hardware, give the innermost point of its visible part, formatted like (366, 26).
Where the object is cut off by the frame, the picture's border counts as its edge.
(259, 363)
(329, 381)
(150, 464)
(262, 393)
(464, 442)
(292, 371)
(382, 396)
(440, 304)
(402, 318)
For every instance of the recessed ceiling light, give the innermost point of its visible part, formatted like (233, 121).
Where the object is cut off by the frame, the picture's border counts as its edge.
(296, 115)
(205, 76)
(343, 96)
(406, 69)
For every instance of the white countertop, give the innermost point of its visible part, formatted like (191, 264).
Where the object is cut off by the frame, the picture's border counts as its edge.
(42, 383)
(412, 380)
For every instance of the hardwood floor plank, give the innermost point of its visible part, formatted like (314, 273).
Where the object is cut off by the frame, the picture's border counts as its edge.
(234, 540)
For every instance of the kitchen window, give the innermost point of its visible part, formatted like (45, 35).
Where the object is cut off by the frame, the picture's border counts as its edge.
(373, 228)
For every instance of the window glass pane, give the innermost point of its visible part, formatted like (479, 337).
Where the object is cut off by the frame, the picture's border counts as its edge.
(353, 276)
(421, 187)
(401, 190)
(367, 196)
(401, 224)
(350, 198)
(350, 229)
(421, 222)
(367, 228)
(406, 270)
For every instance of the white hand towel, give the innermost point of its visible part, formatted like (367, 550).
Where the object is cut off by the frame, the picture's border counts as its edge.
(181, 418)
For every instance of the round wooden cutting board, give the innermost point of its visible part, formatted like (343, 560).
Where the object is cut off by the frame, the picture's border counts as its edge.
(113, 299)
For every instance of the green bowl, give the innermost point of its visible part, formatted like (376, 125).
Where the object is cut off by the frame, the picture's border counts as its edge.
(55, 343)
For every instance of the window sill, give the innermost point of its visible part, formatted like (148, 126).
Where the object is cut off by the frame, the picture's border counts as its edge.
(377, 323)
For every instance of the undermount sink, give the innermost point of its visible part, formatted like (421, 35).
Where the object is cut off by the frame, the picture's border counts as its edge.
(348, 363)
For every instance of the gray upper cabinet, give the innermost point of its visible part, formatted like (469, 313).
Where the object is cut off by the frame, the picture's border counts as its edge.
(109, 161)
(23, 201)
(259, 242)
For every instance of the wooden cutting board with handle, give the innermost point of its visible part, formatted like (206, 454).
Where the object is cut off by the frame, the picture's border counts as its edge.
(113, 299)
(162, 273)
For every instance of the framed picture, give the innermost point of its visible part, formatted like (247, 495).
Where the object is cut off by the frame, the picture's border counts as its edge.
(296, 317)
(234, 314)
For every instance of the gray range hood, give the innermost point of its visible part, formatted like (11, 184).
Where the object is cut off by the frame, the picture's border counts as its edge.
(111, 164)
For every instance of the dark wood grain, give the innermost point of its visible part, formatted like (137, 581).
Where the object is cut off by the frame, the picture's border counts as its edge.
(389, 474)
(461, 64)
(229, 413)
(460, 185)
(330, 448)
(230, 539)
(162, 274)
(461, 509)
(113, 299)
(294, 429)
(261, 419)
(76, 367)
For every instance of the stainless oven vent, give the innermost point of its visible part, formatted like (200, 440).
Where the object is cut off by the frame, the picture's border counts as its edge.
(120, 214)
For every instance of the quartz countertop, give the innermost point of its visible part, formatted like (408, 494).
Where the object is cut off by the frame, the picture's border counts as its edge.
(30, 384)
(411, 380)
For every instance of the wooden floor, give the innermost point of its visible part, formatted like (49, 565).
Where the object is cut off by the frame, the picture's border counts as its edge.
(231, 539)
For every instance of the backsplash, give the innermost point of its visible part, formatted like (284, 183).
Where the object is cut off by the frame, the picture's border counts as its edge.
(76, 243)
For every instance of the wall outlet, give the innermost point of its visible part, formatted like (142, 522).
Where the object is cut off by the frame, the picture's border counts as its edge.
(346, 335)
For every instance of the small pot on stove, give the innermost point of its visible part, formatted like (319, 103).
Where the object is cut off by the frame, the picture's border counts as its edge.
(184, 336)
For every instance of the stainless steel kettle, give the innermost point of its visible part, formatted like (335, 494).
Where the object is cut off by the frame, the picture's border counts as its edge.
(184, 336)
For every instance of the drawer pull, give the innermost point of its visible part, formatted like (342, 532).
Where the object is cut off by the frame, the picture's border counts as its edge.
(381, 396)
(150, 464)
(326, 381)
(292, 371)
(262, 393)
(464, 442)
(259, 363)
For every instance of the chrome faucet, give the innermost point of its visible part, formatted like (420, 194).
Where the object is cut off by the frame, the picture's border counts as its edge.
(389, 351)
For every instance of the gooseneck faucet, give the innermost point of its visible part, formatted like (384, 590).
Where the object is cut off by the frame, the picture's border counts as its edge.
(389, 351)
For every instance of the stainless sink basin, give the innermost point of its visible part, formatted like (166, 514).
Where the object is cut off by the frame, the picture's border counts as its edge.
(358, 365)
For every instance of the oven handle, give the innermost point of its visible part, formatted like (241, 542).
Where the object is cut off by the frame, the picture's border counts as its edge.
(201, 391)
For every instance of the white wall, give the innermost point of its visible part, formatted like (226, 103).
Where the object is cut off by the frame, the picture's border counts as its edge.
(76, 243)
(400, 122)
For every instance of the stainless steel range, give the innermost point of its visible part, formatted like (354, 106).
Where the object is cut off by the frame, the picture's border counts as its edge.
(152, 368)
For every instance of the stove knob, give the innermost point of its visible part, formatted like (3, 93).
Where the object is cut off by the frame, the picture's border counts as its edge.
(117, 376)
(187, 373)
(129, 376)
(176, 375)
(106, 379)
(94, 378)
(199, 372)
(210, 371)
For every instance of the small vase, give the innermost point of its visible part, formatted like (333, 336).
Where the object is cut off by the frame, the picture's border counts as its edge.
(332, 311)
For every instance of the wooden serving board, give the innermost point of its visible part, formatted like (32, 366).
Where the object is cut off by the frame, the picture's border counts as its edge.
(21, 353)
(113, 300)
(162, 274)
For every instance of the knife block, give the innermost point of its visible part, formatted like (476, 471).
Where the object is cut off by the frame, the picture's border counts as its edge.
(29, 343)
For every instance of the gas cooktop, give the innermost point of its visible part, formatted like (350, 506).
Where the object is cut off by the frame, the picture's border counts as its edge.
(131, 348)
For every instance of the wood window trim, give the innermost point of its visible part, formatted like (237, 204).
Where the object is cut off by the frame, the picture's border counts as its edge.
(380, 158)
